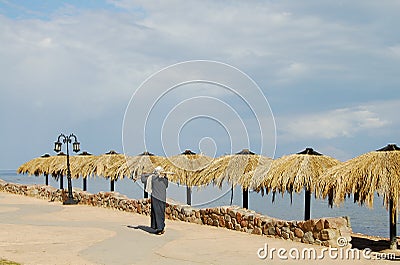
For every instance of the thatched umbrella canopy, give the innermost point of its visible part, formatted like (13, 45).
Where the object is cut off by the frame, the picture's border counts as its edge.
(233, 169)
(373, 172)
(34, 166)
(185, 166)
(103, 163)
(57, 165)
(134, 166)
(82, 165)
(293, 173)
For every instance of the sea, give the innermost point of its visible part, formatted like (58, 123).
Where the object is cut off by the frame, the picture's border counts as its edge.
(363, 220)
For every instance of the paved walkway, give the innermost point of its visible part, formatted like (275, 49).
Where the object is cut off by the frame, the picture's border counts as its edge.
(34, 231)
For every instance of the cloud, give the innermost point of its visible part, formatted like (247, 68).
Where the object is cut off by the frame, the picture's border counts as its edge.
(80, 64)
(345, 122)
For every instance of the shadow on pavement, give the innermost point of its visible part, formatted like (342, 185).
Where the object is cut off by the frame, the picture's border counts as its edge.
(143, 228)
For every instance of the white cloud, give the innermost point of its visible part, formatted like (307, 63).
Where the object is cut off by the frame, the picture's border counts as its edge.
(395, 50)
(345, 122)
(89, 61)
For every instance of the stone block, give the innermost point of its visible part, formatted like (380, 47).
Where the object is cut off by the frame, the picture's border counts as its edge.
(238, 217)
(319, 225)
(256, 231)
(308, 238)
(285, 235)
(229, 225)
(328, 234)
(271, 231)
(221, 221)
(214, 216)
(216, 211)
(215, 223)
(278, 231)
(228, 218)
(309, 225)
(298, 233)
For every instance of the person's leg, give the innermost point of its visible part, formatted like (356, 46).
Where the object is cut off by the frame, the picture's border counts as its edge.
(153, 215)
(159, 209)
(162, 214)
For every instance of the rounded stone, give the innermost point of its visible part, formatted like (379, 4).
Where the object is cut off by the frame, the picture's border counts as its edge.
(308, 238)
(298, 233)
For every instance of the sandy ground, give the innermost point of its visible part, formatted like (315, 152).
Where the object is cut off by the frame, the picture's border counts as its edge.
(34, 231)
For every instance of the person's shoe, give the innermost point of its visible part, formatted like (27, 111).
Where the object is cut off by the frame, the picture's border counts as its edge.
(160, 232)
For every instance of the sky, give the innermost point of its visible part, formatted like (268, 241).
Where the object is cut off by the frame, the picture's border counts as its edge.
(321, 74)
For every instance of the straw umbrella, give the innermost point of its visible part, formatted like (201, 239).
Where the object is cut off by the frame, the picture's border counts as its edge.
(377, 171)
(46, 165)
(103, 163)
(293, 173)
(135, 166)
(82, 165)
(57, 167)
(185, 166)
(233, 169)
(34, 167)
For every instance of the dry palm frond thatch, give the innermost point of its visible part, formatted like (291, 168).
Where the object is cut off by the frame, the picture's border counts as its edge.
(104, 163)
(363, 176)
(293, 173)
(82, 165)
(34, 166)
(377, 171)
(232, 169)
(185, 166)
(134, 166)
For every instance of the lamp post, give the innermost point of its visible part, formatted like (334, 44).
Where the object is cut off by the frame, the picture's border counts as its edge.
(75, 147)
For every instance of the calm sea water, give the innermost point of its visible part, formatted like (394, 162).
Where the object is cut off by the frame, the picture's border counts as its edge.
(364, 220)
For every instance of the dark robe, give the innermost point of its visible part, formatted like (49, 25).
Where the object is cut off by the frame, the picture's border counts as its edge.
(158, 200)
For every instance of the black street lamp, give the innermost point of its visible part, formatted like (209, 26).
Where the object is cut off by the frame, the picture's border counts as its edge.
(75, 147)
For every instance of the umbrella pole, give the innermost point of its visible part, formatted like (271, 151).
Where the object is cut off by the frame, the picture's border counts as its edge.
(46, 179)
(392, 225)
(307, 205)
(61, 182)
(112, 186)
(84, 184)
(188, 195)
(245, 198)
(231, 194)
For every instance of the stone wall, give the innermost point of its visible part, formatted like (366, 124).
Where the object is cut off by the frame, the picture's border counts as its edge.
(324, 231)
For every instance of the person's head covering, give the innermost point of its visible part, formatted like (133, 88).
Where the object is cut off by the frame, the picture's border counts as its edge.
(158, 169)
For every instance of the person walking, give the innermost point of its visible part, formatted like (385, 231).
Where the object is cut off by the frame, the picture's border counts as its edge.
(156, 184)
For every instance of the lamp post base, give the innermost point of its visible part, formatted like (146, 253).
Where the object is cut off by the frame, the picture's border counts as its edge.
(70, 201)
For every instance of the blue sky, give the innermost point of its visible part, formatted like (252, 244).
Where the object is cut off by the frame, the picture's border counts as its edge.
(330, 71)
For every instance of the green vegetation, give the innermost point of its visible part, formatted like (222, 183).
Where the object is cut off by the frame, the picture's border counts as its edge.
(7, 262)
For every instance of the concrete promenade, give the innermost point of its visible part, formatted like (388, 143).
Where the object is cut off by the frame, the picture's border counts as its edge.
(35, 231)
